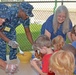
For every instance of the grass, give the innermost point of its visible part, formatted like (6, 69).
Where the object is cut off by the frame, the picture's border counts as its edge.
(22, 39)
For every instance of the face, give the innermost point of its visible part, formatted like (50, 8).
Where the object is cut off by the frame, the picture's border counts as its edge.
(73, 37)
(2, 21)
(61, 17)
(42, 50)
(22, 14)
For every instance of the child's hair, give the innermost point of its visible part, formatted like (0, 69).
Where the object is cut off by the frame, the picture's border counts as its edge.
(73, 31)
(58, 41)
(69, 47)
(42, 41)
(62, 62)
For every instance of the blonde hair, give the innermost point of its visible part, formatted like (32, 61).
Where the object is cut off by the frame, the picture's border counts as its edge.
(60, 9)
(58, 41)
(62, 62)
(42, 41)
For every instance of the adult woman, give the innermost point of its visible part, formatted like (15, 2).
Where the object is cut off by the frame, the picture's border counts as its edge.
(58, 24)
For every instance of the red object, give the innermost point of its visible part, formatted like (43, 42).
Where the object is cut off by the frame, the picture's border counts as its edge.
(51, 73)
(45, 63)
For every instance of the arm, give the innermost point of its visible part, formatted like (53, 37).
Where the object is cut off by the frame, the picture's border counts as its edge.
(48, 26)
(69, 36)
(47, 33)
(34, 64)
(8, 67)
(28, 34)
(1, 34)
(4, 37)
(3, 64)
(11, 43)
(69, 33)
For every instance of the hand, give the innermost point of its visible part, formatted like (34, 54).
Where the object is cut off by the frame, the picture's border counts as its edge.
(13, 44)
(33, 62)
(36, 59)
(11, 68)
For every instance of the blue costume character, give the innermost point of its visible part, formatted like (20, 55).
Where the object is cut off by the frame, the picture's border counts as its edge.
(18, 14)
(57, 24)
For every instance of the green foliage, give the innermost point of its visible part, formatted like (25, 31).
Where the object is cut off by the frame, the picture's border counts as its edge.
(67, 40)
(22, 39)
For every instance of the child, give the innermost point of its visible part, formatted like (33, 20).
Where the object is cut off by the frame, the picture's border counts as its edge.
(43, 44)
(73, 36)
(62, 63)
(8, 67)
(58, 42)
(69, 47)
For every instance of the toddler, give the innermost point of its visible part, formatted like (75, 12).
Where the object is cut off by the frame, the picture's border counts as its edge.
(44, 45)
(62, 63)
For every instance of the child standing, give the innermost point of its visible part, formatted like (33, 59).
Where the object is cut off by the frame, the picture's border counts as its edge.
(43, 44)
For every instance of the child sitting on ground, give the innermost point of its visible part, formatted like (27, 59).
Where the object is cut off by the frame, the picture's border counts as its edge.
(43, 44)
(62, 63)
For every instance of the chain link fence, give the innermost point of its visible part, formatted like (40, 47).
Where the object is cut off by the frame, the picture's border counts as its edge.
(42, 10)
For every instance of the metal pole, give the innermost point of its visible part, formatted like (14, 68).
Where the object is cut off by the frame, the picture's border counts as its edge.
(62, 2)
(55, 6)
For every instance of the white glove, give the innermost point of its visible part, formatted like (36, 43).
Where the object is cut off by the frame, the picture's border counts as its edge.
(13, 44)
(11, 68)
